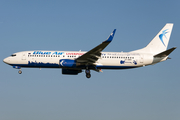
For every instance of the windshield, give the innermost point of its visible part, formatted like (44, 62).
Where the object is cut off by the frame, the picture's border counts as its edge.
(13, 55)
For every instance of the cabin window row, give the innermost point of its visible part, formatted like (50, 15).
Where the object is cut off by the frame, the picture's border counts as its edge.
(45, 56)
(75, 56)
(118, 57)
(49, 56)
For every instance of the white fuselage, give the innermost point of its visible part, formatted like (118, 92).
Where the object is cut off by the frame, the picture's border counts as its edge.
(108, 60)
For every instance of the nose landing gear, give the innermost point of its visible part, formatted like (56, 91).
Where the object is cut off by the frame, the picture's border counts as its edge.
(18, 67)
(20, 71)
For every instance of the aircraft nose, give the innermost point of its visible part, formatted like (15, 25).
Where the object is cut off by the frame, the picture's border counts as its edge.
(6, 60)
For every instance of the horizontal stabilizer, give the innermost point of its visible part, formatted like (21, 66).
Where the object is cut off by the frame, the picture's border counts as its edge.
(165, 53)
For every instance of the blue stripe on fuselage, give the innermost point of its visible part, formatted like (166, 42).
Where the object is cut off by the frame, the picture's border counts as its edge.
(54, 65)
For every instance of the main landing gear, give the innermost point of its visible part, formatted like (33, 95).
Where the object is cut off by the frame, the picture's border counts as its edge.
(88, 74)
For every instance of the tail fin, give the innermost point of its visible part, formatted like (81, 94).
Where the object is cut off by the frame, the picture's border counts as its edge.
(160, 42)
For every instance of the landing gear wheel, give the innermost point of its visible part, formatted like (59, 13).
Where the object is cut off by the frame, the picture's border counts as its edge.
(19, 71)
(88, 75)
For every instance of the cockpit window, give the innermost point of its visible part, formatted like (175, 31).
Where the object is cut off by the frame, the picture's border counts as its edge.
(13, 55)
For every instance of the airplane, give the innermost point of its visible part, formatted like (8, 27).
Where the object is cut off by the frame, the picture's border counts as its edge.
(74, 62)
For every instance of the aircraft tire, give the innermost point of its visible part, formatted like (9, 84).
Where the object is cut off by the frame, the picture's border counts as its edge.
(88, 75)
(20, 72)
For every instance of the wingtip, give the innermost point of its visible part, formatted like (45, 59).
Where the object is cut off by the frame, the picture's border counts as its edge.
(113, 31)
(110, 38)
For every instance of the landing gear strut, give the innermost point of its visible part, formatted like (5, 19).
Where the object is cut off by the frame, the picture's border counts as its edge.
(20, 71)
(88, 74)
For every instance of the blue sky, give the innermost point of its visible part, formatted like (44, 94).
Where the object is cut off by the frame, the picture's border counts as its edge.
(146, 93)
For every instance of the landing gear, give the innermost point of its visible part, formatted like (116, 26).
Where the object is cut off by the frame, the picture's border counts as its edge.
(88, 74)
(20, 71)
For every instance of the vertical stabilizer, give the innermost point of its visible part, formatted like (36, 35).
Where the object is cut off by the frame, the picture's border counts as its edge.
(160, 42)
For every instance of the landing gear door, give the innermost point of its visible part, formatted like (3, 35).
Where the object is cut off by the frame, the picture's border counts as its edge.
(23, 56)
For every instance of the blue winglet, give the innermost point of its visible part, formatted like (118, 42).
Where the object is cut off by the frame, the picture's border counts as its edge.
(110, 38)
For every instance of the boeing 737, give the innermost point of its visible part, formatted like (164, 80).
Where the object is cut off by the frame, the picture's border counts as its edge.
(74, 62)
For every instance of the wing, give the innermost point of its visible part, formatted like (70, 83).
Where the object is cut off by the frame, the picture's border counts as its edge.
(94, 54)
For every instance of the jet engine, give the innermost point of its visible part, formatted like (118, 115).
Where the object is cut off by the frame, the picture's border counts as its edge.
(71, 71)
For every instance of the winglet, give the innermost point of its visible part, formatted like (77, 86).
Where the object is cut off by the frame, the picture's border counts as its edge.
(110, 38)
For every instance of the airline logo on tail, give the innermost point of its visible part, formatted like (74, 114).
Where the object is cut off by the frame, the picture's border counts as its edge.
(161, 36)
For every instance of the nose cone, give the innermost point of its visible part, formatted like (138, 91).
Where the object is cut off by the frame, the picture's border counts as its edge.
(6, 60)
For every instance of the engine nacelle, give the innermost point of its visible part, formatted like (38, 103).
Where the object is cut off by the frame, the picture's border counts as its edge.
(70, 71)
(67, 63)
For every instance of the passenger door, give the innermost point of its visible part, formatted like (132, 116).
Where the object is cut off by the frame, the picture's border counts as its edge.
(23, 56)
